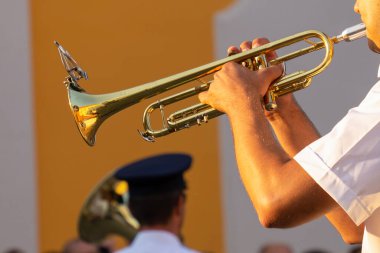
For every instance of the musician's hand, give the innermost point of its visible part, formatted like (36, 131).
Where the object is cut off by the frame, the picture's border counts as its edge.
(282, 101)
(236, 88)
(235, 85)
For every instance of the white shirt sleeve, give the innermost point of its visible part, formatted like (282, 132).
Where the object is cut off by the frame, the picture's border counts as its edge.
(346, 161)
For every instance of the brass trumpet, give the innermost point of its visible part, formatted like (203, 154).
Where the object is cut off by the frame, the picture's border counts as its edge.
(91, 110)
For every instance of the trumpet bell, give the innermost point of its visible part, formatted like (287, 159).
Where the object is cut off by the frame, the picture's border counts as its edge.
(85, 114)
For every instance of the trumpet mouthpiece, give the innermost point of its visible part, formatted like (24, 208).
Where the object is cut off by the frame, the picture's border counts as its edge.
(352, 33)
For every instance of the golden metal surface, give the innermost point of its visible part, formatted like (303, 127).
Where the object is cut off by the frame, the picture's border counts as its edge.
(105, 212)
(90, 111)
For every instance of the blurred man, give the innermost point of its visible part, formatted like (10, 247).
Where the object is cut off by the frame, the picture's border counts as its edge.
(157, 201)
(276, 248)
(316, 251)
(15, 250)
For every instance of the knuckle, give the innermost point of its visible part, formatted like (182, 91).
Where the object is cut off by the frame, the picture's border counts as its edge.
(202, 97)
(246, 44)
(260, 41)
(228, 66)
(232, 50)
(216, 76)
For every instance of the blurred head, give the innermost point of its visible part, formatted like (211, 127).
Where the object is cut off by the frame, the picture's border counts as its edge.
(369, 11)
(14, 251)
(158, 209)
(157, 190)
(316, 251)
(276, 248)
(79, 246)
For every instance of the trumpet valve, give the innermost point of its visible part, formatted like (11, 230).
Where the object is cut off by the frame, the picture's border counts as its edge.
(270, 101)
(202, 119)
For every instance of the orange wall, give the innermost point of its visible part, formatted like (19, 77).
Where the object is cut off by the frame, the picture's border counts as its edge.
(120, 44)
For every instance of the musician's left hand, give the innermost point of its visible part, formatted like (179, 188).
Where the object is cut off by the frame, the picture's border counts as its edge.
(236, 87)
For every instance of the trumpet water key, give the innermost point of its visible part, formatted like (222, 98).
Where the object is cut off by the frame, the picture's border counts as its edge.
(91, 110)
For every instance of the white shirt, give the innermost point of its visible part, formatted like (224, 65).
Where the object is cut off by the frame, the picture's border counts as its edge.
(346, 164)
(156, 241)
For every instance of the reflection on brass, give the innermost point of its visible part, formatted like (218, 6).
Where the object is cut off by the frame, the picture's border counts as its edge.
(91, 110)
(105, 212)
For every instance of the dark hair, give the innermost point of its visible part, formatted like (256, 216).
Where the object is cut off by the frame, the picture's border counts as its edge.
(154, 209)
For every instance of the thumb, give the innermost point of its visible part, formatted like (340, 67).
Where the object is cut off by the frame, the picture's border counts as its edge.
(203, 96)
(272, 73)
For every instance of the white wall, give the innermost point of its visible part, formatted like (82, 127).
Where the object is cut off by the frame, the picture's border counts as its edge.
(332, 93)
(18, 225)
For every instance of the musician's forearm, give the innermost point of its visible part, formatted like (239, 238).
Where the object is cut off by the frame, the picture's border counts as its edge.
(271, 178)
(295, 131)
(292, 127)
(351, 234)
